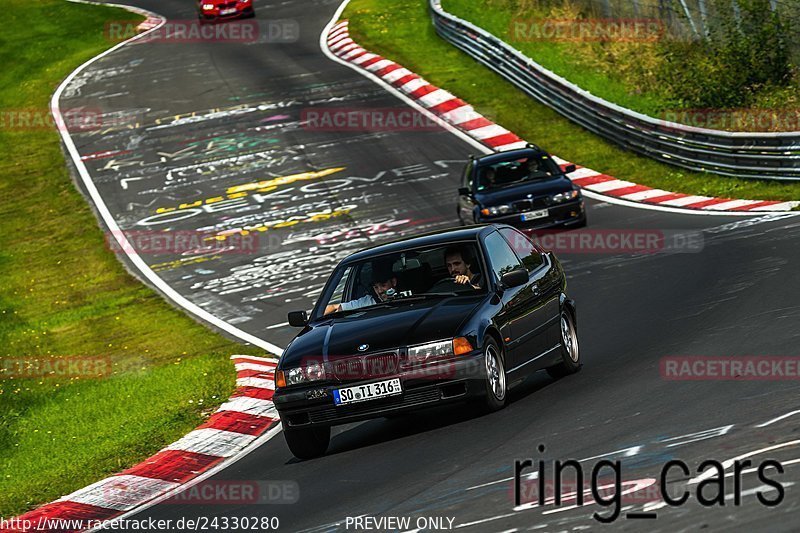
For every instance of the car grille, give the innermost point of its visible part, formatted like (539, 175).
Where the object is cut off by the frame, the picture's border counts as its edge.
(407, 399)
(225, 6)
(357, 368)
(528, 205)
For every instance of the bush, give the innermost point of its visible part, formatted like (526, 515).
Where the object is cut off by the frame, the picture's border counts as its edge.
(743, 55)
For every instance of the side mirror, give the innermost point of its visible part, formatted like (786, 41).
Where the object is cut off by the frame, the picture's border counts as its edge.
(569, 168)
(298, 319)
(515, 278)
(463, 191)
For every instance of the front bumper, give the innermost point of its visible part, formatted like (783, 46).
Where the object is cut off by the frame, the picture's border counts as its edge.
(566, 214)
(449, 381)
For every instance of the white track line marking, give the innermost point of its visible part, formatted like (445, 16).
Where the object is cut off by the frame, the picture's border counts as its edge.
(778, 419)
(729, 462)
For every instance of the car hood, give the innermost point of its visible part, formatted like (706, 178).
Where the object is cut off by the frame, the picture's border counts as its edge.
(506, 195)
(382, 328)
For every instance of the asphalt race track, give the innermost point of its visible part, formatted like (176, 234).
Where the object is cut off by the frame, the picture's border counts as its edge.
(208, 136)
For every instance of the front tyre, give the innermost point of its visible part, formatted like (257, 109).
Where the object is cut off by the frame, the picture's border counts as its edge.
(570, 352)
(308, 443)
(495, 376)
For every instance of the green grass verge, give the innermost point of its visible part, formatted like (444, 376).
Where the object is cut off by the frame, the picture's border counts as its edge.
(63, 293)
(402, 31)
(637, 74)
(556, 56)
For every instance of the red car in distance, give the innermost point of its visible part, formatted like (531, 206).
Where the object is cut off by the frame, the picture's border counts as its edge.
(218, 10)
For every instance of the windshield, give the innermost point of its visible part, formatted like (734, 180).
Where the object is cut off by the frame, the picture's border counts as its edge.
(435, 272)
(514, 172)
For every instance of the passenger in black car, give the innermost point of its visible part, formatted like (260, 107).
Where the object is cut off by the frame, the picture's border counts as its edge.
(384, 282)
(459, 265)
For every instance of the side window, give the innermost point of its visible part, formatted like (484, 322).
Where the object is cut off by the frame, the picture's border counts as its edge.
(524, 248)
(501, 256)
(338, 292)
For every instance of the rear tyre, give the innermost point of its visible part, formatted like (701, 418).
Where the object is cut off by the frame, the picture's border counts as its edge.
(570, 352)
(495, 376)
(308, 443)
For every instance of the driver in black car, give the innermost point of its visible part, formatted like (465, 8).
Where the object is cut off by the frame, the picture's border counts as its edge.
(459, 265)
(384, 283)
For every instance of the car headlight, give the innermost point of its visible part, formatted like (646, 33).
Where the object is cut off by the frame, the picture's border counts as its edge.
(495, 210)
(312, 371)
(565, 196)
(208, 7)
(424, 353)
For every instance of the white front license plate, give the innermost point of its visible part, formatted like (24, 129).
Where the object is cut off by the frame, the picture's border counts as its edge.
(532, 215)
(229, 11)
(368, 391)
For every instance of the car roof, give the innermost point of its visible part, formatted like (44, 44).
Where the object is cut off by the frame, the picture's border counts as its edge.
(509, 155)
(437, 237)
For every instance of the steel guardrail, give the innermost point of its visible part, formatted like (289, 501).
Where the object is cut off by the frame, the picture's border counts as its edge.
(757, 155)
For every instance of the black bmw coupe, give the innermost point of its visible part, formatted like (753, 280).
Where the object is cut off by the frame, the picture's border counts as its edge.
(524, 188)
(454, 315)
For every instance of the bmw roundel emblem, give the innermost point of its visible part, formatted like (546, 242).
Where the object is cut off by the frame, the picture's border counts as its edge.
(363, 348)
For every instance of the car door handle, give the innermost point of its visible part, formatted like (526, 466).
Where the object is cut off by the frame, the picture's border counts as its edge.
(535, 289)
